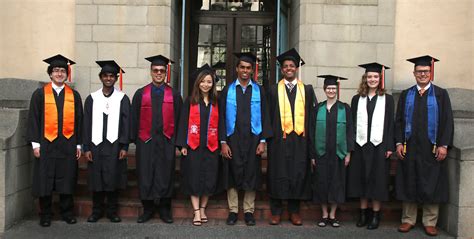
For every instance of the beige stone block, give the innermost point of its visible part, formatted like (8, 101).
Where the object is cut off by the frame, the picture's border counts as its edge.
(382, 34)
(353, 2)
(349, 14)
(151, 49)
(385, 54)
(137, 76)
(305, 32)
(466, 190)
(86, 53)
(82, 78)
(338, 54)
(24, 176)
(86, 14)
(81, 2)
(135, 2)
(311, 13)
(122, 15)
(159, 15)
(83, 33)
(334, 32)
(125, 54)
(302, 2)
(466, 222)
(156, 34)
(386, 12)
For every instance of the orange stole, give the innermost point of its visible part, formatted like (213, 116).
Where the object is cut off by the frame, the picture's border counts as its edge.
(51, 113)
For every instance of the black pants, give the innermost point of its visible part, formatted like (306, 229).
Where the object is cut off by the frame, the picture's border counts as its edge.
(276, 206)
(98, 202)
(164, 206)
(66, 205)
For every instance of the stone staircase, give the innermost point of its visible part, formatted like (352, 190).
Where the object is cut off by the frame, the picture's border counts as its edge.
(130, 205)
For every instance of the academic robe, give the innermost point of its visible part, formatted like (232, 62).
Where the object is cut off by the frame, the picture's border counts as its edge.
(106, 172)
(420, 178)
(56, 169)
(329, 178)
(289, 160)
(200, 168)
(155, 159)
(244, 170)
(368, 173)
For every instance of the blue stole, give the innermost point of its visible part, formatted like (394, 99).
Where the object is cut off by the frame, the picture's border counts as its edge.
(255, 106)
(433, 116)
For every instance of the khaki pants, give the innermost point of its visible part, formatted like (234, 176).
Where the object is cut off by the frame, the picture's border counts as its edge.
(233, 200)
(430, 213)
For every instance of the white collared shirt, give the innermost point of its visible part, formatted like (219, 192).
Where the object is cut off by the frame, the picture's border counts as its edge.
(426, 87)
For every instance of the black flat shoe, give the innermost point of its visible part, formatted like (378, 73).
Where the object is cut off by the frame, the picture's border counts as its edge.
(375, 221)
(145, 217)
(94, 218)
(231, 219)
(363, 218)
(114, 218)
(249, 219)
(70, 220)
(45, 221)
(166, 219)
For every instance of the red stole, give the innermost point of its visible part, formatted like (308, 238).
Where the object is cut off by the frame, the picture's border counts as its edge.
(144, 130)
(194, 127)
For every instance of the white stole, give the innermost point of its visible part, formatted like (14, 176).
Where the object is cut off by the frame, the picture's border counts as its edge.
(109, 106)
(378, 119)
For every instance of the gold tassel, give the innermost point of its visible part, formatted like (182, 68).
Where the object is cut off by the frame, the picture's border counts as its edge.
(405, 148)
(434, 148)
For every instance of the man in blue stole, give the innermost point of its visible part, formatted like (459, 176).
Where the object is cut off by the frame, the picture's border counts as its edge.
(245, 127)
(423, 132)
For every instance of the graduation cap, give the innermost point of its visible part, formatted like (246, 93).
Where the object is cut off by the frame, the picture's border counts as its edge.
(249, 57)
(333, 80)
(110, 66)
(292, 55)
(204, 68)
(376, 67)
(160, 60)
(425, 61)
(219, 65)
(61, 61)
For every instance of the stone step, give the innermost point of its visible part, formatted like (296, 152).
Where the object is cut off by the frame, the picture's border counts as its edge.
(218, 209)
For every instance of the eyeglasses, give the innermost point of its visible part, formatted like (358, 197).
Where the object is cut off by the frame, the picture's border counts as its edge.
(158, 71)
(59, 70)
(426, 72)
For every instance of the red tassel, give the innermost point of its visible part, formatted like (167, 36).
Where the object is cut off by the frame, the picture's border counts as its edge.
(168, 77)
(69, 72)
(382, 83)
(432, 70)
(256, 72)
(120, 79)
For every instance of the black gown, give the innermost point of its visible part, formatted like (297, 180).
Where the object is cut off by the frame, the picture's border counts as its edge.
(368, 173)
(56, 169)
(107, 172)
(289, 160)
(244, 170)
(420, 178)
(329, 181)
(200, 168)
(155, 159)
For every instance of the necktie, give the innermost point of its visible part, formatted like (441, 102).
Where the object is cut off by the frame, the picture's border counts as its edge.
(421, 92)
(290, 86)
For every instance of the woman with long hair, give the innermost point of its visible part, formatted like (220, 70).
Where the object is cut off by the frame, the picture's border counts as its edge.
(198, 139)
(368, 172)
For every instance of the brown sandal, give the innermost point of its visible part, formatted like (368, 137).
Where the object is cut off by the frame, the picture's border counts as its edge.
(204, 219)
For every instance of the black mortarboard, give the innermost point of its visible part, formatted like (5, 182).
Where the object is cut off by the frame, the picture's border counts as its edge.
(159, 60)
(59, 61)
(332, 80)
(109, 66)
(292, 55)
(374, 67)
(246, 56)
(423, 60)
(219, 65)
(204, 68)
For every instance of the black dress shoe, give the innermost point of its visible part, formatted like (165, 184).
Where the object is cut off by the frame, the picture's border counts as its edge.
(70, 219)
(94, 217)
(45, 221)
(166, 218)
(144, 217)
(114, 218)
(232, 218)
(249, 219)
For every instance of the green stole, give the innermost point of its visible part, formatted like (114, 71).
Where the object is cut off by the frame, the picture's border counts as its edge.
(320, 134)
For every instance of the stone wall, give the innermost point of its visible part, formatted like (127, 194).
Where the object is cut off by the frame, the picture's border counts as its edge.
(334, 36)
(126, 31)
